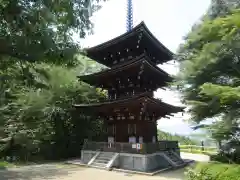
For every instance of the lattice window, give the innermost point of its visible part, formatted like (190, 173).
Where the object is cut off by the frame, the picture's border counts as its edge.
(112, 129)
(132, 129)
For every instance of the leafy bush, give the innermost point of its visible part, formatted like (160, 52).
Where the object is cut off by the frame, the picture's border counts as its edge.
(230, 152)
(214, 171)
(202, 175)
(220, 158)
(4, 164)
(42, 122)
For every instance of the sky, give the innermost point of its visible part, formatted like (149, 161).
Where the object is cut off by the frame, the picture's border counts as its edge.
(168, 20)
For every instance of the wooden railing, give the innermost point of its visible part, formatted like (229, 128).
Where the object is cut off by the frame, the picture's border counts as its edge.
(199, 149)
(144, 148)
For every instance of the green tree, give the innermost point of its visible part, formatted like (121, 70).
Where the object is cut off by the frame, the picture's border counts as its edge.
(42, 30)
(209, 73)
(35, 31)
(222, 8)
(44, 121)
(39, 63)
(183, 140)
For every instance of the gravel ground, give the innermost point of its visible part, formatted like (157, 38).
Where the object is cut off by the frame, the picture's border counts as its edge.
(68, 172)
(195, 157)
(71, 172)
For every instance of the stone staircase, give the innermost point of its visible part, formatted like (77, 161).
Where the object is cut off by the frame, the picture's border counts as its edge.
(175, 158)
(102, 160)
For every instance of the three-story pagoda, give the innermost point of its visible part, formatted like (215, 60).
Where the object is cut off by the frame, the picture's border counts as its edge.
(131, 111)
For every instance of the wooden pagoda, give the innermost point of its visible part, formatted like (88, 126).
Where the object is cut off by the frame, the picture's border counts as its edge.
(131, 112)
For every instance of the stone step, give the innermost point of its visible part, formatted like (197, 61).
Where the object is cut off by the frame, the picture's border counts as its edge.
(181, 164)
(96, 164)
(104, 158)
(107, 154)
(104, 155)
(177, 160)
(104, 161)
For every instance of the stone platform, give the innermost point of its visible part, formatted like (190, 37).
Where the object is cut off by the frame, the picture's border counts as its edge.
(134, 162)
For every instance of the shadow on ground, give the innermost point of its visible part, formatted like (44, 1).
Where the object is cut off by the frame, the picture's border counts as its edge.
(36, 172)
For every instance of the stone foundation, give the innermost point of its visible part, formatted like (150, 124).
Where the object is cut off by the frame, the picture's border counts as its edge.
(135, 162)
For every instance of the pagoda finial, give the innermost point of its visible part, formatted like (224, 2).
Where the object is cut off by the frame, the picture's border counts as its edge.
(129, 15)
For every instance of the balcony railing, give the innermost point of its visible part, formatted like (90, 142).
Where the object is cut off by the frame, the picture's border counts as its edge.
(144, 148)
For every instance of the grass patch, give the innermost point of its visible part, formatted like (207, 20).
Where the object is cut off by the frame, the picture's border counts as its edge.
(215, 171)
(5, 164)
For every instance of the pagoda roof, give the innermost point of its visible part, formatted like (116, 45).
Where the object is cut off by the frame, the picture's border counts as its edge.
(149, 43)
(130, 67)
(153, 105)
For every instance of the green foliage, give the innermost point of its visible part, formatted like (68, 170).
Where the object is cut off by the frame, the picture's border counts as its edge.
(181, 139)
(44, 121)
(209, 76)
(214, 171)
(222, 7)
(210, 55)
(39, 62)
(5, 164)
(43, 30)
(220, 158)
(210, 72)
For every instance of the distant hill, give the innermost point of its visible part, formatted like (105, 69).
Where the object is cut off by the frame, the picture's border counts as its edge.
(174, 137)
